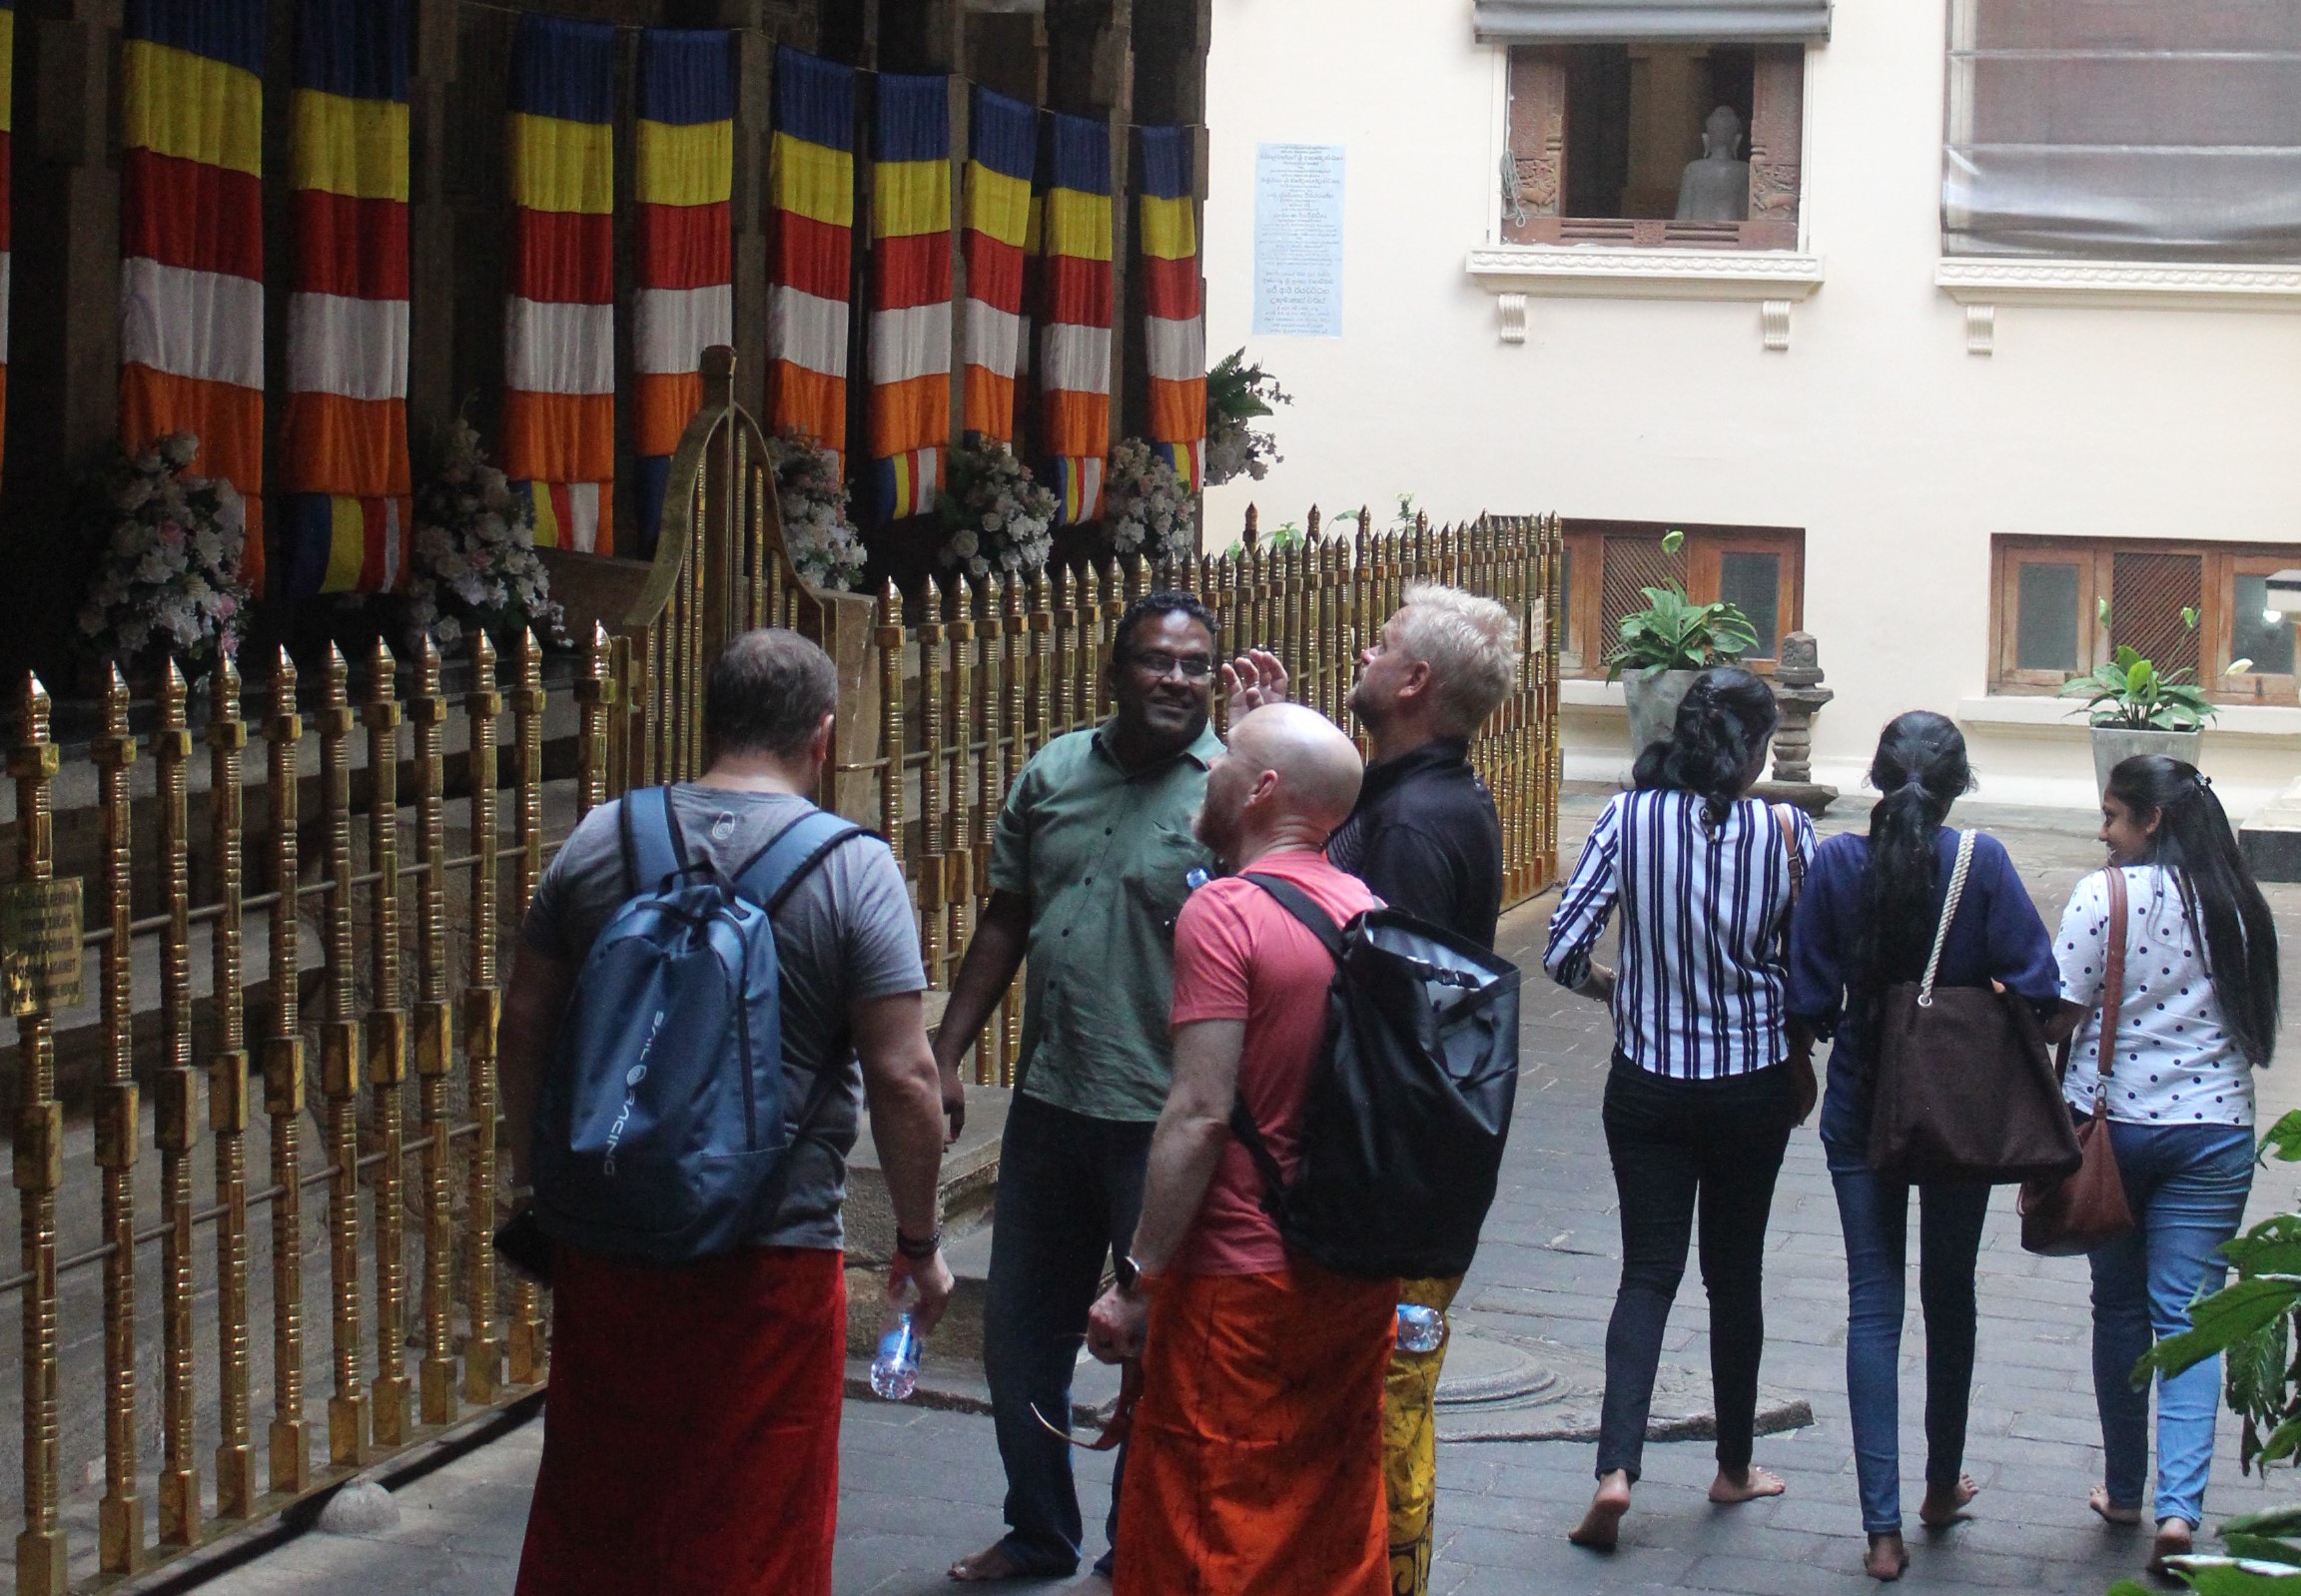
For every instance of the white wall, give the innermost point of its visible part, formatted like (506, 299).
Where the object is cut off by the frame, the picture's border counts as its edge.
(1898, 452)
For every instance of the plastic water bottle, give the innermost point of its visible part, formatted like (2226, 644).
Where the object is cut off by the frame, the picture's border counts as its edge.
(1420, 1329)
(895, 1370)
(1197, 878)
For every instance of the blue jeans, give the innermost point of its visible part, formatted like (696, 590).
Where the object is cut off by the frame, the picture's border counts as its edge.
(2186, 1185)
(1875, 1214)
(1070, 1188)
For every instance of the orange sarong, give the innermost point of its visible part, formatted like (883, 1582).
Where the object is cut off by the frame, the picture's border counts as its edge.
(1255, 1467)
(691, 1433)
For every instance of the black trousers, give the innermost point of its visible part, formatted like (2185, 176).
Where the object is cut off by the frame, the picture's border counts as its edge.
(1682, 1149)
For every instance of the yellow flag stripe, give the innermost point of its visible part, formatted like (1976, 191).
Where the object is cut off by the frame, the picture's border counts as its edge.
(558, 165)
(998, 206)
(686, 165)
(1079, 224)
(813, 180)
(1167, 230)
(175, 102)
(355, 148)
(913, 196)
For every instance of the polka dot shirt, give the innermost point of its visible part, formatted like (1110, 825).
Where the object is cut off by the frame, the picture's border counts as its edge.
(2176, 1063)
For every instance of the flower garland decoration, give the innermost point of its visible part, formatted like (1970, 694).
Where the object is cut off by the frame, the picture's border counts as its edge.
(823, 543)
(999, 515)
(1147, 507)
(169, 578)
(1236, 395)
(475, 564)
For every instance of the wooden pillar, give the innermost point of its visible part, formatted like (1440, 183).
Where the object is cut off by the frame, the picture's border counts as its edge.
(432, 394)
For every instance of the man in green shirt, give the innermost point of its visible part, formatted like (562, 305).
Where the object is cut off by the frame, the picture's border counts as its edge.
(1091, 862)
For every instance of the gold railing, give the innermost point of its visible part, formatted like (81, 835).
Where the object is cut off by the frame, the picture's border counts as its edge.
(298, 960)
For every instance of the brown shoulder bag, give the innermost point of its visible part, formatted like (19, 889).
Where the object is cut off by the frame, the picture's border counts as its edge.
(2060, 1218)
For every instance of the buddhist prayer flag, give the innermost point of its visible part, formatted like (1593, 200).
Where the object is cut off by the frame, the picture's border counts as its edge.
(192, 239)
(1175, 331)
(7, 197)
(910, 333)
(684, 254)
(811, 197)
(559, 322)
(344, 441)
(1005, 135)
(1074, 337)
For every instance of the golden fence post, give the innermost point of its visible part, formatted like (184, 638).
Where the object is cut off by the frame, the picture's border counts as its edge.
(1114, 610)
(989, 787)
(340, 1071)
(176, 1121)
(434, 1043)
(41, 1563)
(959, 859)
(1065, 620)
(888, 639)
(228, 1093)
(930, 831)
(120, 1516)
(386, 1049)
(529, 1357)
(1230, 644)
(483, 1002)
(1042, 658)
(1333, 611)
(283, 1093)
(1017, 756)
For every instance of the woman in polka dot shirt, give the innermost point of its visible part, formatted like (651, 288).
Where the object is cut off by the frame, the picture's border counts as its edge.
(2199, 1015)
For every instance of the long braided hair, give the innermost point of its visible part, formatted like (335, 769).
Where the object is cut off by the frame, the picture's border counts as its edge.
(1723, 725)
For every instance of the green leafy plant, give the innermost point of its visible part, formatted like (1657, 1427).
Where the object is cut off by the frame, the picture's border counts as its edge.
(1237, 396)
(2132, 694)
(2251, 1323)
(1673, 633)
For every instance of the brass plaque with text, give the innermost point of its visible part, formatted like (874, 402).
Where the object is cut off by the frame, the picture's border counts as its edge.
(40, 944)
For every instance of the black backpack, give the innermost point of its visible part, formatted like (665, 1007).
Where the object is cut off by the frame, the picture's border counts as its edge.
(1409, 1103)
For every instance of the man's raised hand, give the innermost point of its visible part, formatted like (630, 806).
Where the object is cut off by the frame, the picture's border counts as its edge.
(1253, 679)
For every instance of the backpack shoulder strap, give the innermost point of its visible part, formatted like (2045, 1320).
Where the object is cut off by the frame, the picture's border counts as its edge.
(653, 849)
(1304, 907)
(790, 854)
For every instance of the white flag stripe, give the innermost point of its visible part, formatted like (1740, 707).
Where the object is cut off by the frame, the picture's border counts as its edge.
(915, 342)
(1076, 359)
(583, 511)
(356, 348)
(806, 330)
(559, 349)
(671, 328)
(206, 326)
(994, 338)
(1176, 351)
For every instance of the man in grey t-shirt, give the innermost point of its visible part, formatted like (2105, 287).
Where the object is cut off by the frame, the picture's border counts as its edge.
(697, 1406)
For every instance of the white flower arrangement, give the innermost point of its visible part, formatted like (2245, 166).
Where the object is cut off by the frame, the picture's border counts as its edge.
(1146, 505)
(169, 579)
(823, 543)
(1237, 395)
(474, 563)
(1000, 518)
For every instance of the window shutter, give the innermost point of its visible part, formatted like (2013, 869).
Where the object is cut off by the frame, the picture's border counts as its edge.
(2149, 593)
(1631, 565)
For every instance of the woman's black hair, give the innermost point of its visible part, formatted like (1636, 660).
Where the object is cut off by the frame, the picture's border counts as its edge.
(1722, 723)
(2223, 906)
(1919, 771)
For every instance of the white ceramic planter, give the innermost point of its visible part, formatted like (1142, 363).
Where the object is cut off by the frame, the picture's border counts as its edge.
(1653, 702)
(2113, 744)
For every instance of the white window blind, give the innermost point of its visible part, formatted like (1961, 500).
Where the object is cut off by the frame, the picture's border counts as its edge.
(2125, 130)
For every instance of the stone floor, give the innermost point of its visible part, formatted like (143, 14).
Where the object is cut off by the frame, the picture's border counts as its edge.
(921, 1486)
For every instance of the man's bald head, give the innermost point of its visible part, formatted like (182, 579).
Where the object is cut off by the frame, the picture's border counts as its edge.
(1287, 778)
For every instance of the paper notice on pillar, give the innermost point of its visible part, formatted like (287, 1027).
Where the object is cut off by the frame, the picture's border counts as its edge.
(1298, 239)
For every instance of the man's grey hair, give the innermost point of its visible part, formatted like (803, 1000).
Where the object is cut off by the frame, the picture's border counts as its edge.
(1472, 645)
(766, 693)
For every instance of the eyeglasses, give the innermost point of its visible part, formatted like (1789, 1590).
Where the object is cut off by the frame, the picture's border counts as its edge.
(1161, 664)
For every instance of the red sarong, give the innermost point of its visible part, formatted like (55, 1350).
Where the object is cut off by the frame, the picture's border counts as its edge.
(1255, 1467)
(691, 1433)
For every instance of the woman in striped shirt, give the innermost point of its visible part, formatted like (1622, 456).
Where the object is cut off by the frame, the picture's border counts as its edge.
(1702, 1097)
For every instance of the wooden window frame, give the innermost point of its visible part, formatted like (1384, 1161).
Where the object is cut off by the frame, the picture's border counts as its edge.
(1582, 652)
(2097, 559)
(1536, 127)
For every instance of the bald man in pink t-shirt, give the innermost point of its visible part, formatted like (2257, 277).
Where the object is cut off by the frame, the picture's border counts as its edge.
(1256, 1456)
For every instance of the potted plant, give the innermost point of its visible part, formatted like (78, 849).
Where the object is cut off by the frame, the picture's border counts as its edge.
(1238, 394)
(2138, 709)
(1665, 645)
(167, 579)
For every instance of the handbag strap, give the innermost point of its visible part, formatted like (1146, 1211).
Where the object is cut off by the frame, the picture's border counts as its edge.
(1785, 821)
(1958, 874)
(2112, 990)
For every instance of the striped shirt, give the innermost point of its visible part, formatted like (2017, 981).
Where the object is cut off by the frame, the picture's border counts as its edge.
(1700, 992)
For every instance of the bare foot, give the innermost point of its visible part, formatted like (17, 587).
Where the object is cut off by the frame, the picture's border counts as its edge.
(1945, 1506)
(2174, 1539)
(1602, 1525)
(2099, 1499)
(1754, 1482)
(1889, 1559)
(987, 1566)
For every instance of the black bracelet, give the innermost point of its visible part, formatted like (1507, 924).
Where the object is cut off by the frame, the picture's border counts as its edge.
(916, 1250)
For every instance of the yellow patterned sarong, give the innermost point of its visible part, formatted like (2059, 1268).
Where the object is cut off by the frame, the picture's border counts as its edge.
(1411, 1444)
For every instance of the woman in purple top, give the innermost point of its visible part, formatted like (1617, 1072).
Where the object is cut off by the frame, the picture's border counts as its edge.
(1866, 921)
